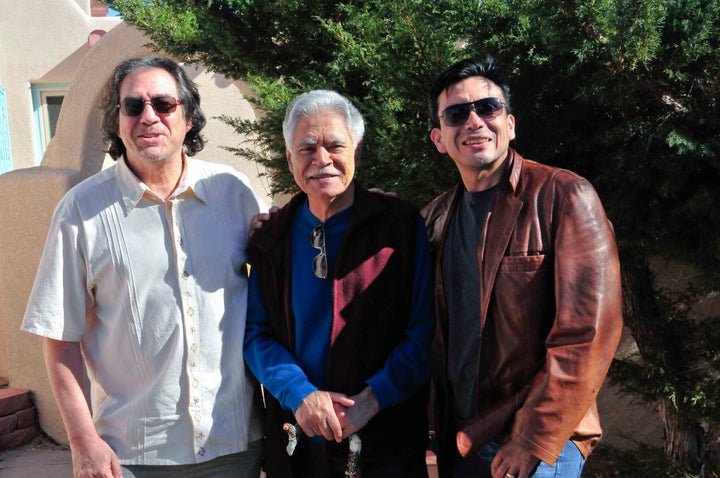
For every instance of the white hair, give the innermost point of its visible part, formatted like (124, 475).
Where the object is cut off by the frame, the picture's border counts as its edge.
(316, 100)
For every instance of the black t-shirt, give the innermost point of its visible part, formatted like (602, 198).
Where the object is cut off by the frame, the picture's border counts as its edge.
(461, 279)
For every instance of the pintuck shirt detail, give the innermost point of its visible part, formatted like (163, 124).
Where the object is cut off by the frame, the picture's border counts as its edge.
(155, 291)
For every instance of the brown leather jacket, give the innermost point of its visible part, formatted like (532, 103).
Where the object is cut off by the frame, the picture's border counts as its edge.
(550, 313)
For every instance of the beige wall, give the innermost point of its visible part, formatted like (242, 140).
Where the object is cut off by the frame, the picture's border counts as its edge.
(40, 42)
(28, 196)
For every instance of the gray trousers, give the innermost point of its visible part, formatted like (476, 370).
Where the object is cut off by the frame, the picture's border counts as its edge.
(245, 464)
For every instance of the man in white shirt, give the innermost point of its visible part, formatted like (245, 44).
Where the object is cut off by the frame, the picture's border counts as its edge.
(143, 277)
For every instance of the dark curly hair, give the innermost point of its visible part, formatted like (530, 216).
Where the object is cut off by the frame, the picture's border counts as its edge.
(187, 90)
(463, 70)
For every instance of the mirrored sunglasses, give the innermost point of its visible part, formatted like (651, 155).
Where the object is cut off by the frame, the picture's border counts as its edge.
(456, 115)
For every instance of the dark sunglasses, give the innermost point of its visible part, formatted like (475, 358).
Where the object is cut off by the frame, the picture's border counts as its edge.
(163, 105)
(456, 115)
(319, 264)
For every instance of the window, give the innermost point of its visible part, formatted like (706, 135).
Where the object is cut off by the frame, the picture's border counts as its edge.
(47, 101)
(5, 152)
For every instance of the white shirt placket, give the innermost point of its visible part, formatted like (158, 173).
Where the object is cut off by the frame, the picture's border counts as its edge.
(191, 325)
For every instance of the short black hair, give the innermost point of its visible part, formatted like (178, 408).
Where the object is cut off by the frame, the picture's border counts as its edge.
(187, 90)
(468, 68)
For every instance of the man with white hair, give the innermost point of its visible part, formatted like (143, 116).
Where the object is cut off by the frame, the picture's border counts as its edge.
(340, 317)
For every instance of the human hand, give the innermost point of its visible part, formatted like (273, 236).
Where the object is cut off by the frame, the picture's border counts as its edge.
(354, 417)
(316, 414)
(92, 457)
(513, 461)
(259, 219)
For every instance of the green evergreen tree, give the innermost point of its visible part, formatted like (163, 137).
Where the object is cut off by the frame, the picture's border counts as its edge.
(625, 92)
(383, 55)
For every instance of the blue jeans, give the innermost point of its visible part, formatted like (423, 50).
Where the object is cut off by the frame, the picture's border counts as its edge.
(477, 465)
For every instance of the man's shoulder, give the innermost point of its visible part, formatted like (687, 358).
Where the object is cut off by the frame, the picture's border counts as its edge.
(535, 177)
(394, 203)
(538, 179)
(206, 168)
(222, 177)
(542, 171)
(87, 189)
(276, 225)
(439, 204)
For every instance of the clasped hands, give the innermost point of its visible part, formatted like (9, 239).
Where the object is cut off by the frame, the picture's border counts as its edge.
(336, 416)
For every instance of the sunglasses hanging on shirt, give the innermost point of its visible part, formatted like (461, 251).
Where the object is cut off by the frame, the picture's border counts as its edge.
(319, 264)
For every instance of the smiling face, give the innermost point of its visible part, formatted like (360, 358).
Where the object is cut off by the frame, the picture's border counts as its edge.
(150, 137)
(480, 146)
(321, 157)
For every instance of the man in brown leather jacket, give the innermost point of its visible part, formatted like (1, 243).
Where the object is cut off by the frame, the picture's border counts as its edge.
(528, 294)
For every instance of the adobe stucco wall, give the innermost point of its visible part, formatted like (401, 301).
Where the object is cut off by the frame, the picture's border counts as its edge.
(41, 42)
(29, 196)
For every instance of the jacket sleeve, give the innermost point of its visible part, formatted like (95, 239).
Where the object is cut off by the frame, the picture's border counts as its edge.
(586, 329)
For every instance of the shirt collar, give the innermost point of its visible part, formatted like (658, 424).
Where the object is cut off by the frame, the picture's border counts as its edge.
(133, 190)
(191, 183)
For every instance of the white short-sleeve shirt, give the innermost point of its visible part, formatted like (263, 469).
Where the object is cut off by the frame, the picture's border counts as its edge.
(155, 291)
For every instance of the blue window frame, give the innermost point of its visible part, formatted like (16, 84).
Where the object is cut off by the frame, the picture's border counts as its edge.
(47, 101)
(5, 151)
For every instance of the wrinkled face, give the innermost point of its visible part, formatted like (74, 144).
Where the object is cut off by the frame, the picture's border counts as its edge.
(151, 136)
(481, 143)
(321, 156)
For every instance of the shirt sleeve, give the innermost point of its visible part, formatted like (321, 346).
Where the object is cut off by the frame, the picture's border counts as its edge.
(273, 365)
(61, 296)
(408, 366)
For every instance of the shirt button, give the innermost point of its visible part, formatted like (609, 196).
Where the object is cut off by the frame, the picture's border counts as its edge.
(191, 311)
(201, 451)
(185, 275)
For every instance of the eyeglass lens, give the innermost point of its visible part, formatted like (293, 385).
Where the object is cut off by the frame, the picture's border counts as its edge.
(162, 105)
(319, 265)
(456, 115)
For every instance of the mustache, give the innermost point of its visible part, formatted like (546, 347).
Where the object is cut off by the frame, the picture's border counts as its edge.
(326, 171)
